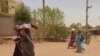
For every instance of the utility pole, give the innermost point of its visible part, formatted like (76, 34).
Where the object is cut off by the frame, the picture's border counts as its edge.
(43, 18)
(87, 29)
(87, 9)
(87, 2)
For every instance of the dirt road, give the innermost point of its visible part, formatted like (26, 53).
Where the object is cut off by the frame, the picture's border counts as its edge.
(55, 49)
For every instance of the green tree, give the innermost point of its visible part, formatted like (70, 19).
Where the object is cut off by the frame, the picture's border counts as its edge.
(76, 26)
(98, 27)
(22, 14)
(54, 26)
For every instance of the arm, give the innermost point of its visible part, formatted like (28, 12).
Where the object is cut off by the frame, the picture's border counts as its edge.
(34, 26)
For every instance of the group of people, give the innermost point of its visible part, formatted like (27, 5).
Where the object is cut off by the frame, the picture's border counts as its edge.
(77, 41)
(25, 47)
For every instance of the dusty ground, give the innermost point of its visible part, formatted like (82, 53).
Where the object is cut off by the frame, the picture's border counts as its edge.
(55, 49)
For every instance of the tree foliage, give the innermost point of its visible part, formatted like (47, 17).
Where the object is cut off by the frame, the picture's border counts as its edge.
(98, 27)
(22, 14)
(76, 26)
(55, 29)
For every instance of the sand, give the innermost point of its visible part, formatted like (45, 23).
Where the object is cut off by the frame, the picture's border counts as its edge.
(55, 49)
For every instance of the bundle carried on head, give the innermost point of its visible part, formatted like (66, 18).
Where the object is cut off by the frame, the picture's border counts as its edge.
(26, 26)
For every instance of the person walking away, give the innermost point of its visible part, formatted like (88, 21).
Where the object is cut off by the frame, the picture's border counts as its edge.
(72, 39)
(83, 39)
(78, 42)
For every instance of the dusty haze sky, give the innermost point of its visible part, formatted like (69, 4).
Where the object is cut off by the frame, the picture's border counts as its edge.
(74, 10)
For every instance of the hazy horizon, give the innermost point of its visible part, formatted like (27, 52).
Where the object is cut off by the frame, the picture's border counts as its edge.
(74, 10)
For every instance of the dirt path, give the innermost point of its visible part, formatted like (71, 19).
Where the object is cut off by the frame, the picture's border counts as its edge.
(55, 49)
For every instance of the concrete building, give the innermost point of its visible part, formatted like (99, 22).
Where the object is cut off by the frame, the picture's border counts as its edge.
(7, 10)
(8, 5)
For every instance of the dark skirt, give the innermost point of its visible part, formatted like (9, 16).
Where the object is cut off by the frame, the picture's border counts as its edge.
(24, 48)
(17, 51)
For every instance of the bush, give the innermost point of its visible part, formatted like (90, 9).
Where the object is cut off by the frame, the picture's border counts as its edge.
(22, 14)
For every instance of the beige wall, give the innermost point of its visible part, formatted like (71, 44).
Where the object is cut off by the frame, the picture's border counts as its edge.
(12, 4)
(6, 25)
(6, 20)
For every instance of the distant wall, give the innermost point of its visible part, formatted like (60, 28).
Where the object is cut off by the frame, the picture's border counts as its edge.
(95, 32)
(6, 25)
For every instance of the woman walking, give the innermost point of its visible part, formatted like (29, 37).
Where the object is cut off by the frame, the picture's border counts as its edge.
(24, 45)
(72, 39)
(79, 40)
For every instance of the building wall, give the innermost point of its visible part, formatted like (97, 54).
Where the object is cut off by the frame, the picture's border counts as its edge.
(4, 6)
(6, 25)
(95, 32)
(6, 20)
(11, 5)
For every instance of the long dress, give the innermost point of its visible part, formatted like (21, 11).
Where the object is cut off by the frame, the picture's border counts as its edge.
(24, 46)
(27, 46)
(78, 43)
(83, 44)
(17, 51)
(72, 41)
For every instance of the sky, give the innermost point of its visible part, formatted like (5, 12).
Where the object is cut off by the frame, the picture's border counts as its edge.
(74, 10)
